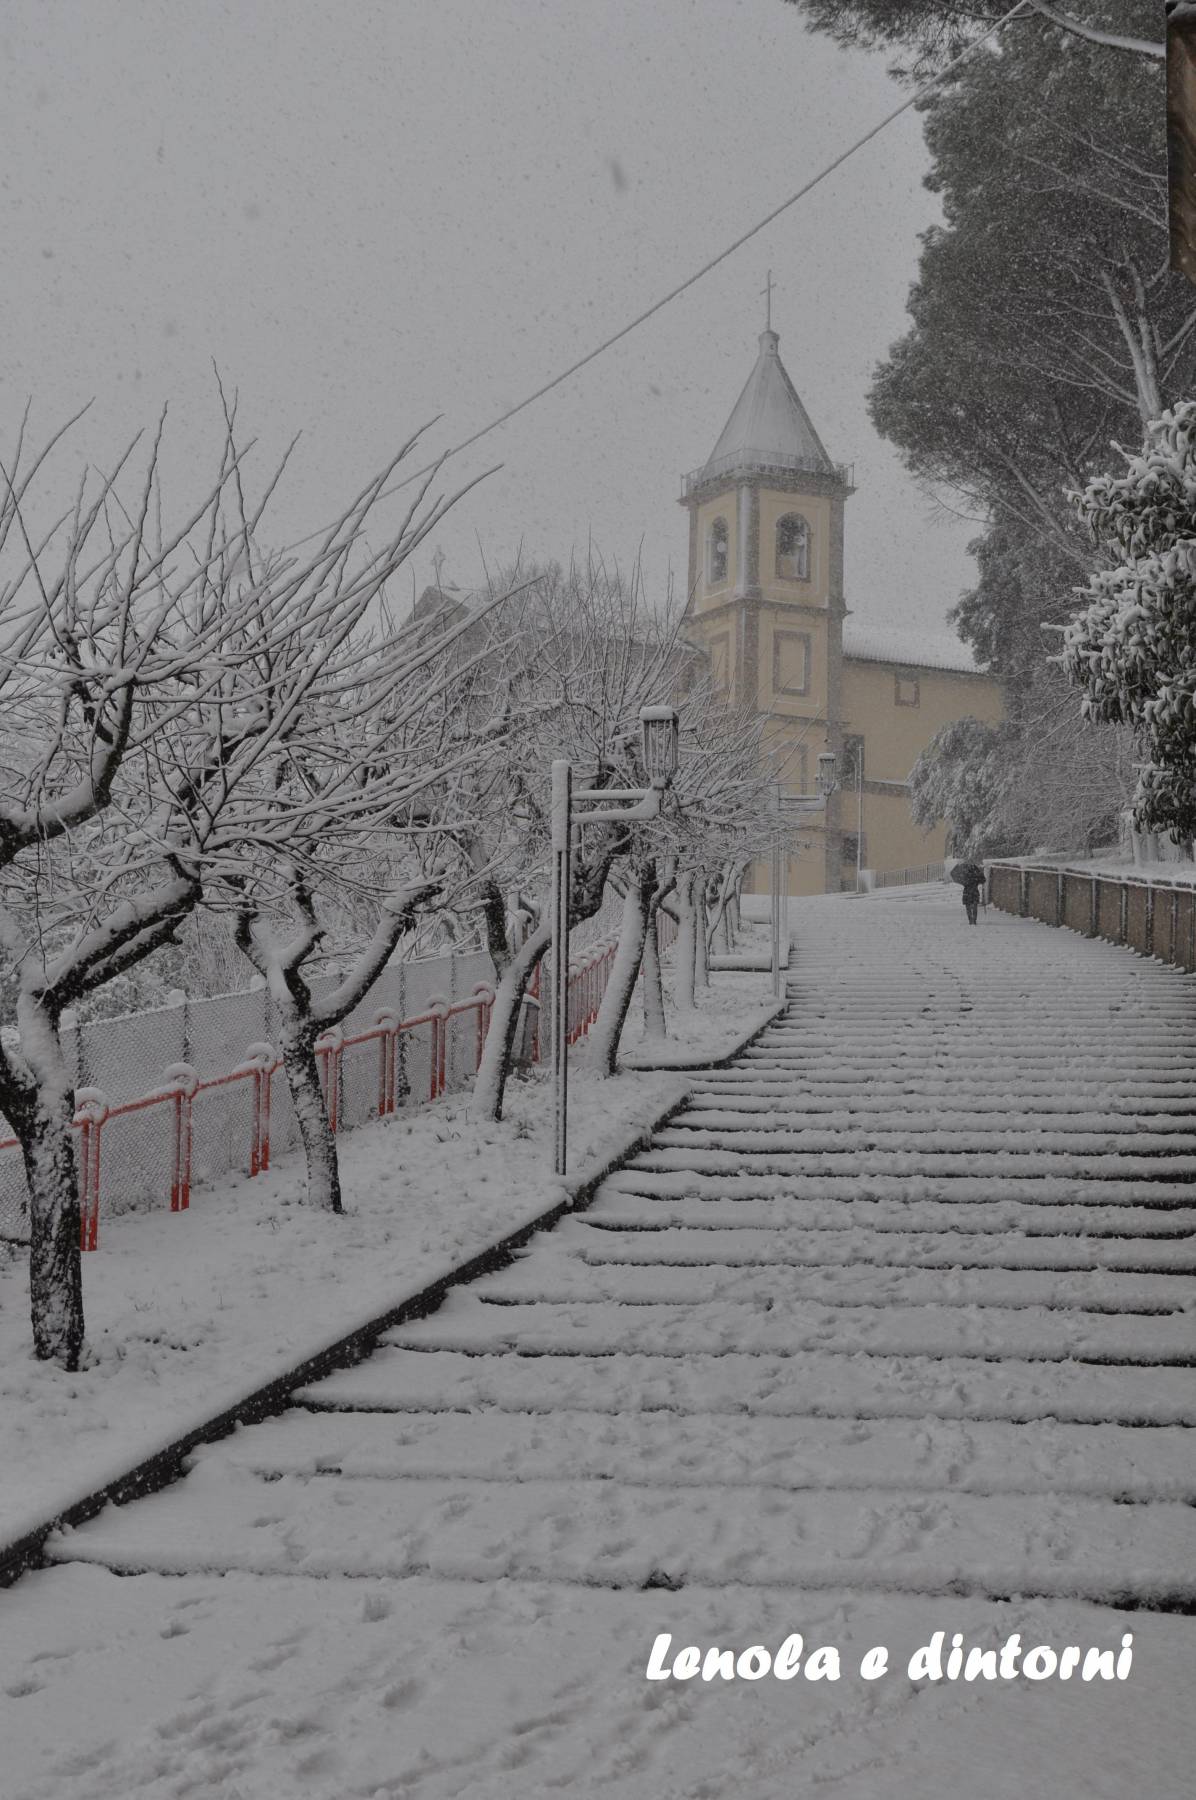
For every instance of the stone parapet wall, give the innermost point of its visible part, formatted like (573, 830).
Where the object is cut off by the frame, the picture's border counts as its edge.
(1156, 918)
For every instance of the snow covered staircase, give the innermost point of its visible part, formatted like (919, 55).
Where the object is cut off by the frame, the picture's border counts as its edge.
(902, 1302)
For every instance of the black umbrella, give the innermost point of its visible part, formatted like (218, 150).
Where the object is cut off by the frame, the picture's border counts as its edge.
(966, 872)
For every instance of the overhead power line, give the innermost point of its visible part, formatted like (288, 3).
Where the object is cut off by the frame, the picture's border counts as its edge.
(722, 256)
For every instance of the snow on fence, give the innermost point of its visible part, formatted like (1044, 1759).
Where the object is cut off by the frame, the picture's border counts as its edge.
(1155, 917)
(216, 1106)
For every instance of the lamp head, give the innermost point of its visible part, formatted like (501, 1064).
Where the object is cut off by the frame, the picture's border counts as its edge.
(661, 747)
(828, 779)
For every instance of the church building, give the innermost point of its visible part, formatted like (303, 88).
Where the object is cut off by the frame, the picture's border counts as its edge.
(766, 604)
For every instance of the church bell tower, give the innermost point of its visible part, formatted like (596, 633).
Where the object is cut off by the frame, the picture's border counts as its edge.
(765, 595)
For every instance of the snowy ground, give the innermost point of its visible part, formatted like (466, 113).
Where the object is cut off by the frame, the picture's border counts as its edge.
(889, 1333)
(188, 1312)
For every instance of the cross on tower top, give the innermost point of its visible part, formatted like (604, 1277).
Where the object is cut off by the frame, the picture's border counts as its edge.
(438, 561)
(766, 290)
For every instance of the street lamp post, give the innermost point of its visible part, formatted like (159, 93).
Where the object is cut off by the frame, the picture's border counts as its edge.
(789, 805)
(659, 753)
(859, 813)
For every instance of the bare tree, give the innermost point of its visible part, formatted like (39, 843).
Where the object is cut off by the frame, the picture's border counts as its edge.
(588, 654)
(137, 668)
(109, 656)
(718, 804)
(357, 820)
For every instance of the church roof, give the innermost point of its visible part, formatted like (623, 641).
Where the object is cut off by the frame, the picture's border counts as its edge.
(911, 646)
(769, 427)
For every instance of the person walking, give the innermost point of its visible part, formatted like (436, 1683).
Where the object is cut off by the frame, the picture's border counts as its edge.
(970, 877)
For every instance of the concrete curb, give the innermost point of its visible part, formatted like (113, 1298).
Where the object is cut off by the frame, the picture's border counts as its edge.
(640, 1063)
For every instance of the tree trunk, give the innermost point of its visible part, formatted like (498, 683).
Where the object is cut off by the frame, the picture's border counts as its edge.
(490, 1084)
(41, 1117)
(701, 940)
(685, 949)
(55, 1271)
(303, 1019)
(722, 902)
(654, 1019)
(616, 1001)
(297, 1048)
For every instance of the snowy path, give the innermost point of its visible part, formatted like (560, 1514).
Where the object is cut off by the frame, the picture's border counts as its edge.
(890, 1330)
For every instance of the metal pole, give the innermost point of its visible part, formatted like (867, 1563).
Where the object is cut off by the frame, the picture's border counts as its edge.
(562, 806)
(859, 817)
(776, 914)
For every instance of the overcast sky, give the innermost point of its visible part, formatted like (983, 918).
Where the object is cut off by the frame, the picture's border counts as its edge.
(372, 212)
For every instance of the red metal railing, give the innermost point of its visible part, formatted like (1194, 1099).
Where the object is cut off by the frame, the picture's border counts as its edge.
(588, 976)
(182, 1088)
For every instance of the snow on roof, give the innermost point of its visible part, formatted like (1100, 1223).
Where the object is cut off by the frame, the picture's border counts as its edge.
(915, 646)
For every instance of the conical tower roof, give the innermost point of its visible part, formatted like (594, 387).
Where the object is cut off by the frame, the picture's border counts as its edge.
(769, 427)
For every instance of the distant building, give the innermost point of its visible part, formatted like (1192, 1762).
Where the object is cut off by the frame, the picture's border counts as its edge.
(766, 604)
(441, 607)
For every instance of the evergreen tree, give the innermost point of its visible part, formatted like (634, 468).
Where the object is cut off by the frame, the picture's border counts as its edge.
(1045, 325)
(1132, 650)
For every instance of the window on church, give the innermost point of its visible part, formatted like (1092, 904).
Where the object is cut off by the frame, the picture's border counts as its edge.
(793, 548)
(791, 662)
(716, 554)
(905, 690)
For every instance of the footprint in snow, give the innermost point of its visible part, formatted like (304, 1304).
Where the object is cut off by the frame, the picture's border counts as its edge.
(402, 1694)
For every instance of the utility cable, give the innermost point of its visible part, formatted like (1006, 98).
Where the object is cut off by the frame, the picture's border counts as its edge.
(746, 237)
(682, 287)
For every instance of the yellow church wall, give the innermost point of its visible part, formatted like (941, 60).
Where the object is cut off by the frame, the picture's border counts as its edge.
(892, 840)
(792, 645)
(806, 870)
(716, 630)
(792, 748)
(796, 765)
(895, 735)
(816, 510)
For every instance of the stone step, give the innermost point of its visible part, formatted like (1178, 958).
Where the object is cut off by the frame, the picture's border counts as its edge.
(781, 1386)
(786, 1129)
(658, 1450)
(568, 1328)
(552, 1273)
(618, 1196)
(608, 1534)
(676, 1151)
(614, 1240)
(960, 1190)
